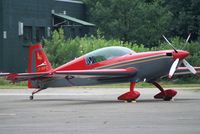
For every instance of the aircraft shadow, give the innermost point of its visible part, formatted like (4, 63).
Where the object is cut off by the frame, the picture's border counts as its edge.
(92, 101)
(79, 101)
(175, 100)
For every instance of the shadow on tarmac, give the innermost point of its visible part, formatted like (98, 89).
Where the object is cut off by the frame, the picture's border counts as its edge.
(101, 101)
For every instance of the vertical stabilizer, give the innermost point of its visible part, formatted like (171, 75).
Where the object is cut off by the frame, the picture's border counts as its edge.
(38, 62)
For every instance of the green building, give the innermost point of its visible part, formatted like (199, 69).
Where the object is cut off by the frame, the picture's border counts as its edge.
(25, 22)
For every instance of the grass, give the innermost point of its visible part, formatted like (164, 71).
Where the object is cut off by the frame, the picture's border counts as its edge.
(4, 84)
(145, 85)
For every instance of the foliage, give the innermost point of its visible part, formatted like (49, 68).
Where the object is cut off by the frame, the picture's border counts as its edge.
(61, 50)
(179, 43)
(144, 21)
(6, 84)
(58, 50)
(133, 21)
(186, 17)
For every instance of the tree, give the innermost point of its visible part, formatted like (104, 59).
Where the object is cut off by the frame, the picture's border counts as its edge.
(60, 50)
(135, 21)
(186, 17)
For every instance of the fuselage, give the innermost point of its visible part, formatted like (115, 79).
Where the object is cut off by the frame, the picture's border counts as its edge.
(150, 66)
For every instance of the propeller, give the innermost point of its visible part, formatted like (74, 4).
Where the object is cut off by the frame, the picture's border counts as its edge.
(176, 62)
(173, 68)
(191, 68)
(170, 43)
(186, 42)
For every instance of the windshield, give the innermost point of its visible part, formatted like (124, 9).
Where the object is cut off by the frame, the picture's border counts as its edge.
(106, 54)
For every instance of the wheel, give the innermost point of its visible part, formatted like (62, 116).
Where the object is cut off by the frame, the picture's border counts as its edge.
(129, 101)
(31, 97)
(167, 98)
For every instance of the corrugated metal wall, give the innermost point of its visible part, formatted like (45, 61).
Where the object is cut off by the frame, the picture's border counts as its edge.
(1, 35)
(72, 9)
(33, 14)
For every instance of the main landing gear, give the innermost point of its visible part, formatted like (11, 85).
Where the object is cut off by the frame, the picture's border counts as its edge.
(131, 95)
(34, 92)
(166, 95)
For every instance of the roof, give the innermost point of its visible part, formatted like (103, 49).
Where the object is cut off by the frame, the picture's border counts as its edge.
(71, 1)
(73, 19)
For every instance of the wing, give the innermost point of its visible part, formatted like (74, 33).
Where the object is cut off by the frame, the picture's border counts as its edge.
(4, 74)
(184, 70)
(16, 77)
(108, 73)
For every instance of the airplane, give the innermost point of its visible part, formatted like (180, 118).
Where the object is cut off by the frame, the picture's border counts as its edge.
(107, 65)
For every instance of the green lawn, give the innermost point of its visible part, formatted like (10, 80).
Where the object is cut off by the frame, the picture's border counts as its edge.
(146, 85)
(4, 84)
(166, 84)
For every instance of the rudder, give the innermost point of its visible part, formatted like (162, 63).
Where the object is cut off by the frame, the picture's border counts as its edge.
(38, 62)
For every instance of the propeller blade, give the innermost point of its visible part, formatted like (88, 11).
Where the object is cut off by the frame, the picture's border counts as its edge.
(191, 68)
(170, 44)
(186, 42)
(188, 38)
(173, 68)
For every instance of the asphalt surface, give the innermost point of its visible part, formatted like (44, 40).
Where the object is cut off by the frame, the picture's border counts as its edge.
(97, 111)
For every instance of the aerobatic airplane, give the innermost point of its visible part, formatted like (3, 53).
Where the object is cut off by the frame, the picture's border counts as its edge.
(104, 66)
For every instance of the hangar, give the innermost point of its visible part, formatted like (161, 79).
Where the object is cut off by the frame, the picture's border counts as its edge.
(26, 22)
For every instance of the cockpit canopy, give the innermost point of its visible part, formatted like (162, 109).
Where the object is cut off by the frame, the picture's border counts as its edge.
(106, 54)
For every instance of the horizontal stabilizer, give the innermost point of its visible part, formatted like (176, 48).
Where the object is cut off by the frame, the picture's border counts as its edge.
(4, 74)
(16, 77)
(185, 70)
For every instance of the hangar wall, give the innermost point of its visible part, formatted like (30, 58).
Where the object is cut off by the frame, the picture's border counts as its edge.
(33, 14)
(73, 9)
(34, 19)
(1, 35)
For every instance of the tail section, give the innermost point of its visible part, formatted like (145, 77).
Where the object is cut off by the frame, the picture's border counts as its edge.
(38, 62)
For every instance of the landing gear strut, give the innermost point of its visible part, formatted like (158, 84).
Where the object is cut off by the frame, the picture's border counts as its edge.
(131, 95)
(34, 92)
(166, 95)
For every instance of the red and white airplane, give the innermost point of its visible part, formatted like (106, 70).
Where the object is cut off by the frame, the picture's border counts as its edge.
(103, 66)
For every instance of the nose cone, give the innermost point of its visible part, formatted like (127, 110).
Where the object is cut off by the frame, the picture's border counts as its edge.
(180, 54)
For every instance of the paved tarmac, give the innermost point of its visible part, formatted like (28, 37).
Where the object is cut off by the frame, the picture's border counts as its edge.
(97, 111)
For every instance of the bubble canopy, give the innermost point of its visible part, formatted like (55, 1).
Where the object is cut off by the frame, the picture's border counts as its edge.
(106, 54)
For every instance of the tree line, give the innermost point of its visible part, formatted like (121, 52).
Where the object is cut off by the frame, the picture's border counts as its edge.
(144, 21)
(136, 24)
(60, 50)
